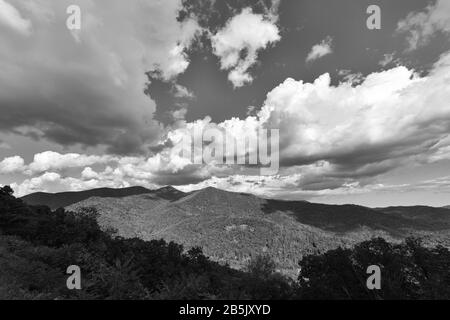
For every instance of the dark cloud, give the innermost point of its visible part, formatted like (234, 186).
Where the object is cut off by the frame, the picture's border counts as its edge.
(93, 119)
(168, 96)
(213, 15)
(87, 88)
(190, 174)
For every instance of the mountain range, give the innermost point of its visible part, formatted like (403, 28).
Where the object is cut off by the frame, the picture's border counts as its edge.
(63, 199)
(234, 227)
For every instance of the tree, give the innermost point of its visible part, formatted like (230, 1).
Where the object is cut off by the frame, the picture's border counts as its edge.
(6, 191)
(261, 266)
(408, 271)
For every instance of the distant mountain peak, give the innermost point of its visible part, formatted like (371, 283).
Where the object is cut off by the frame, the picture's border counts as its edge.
(167, 188)
(210, 193)
(169, 193)
(211, 189)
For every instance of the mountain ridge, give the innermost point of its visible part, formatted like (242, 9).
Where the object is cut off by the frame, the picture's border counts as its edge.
(233, 227)
(64, 199)
(43, 197)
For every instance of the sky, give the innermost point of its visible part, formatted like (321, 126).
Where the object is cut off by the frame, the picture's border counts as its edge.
(363, 114)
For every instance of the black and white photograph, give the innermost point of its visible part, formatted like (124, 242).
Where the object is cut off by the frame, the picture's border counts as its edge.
(225, 150)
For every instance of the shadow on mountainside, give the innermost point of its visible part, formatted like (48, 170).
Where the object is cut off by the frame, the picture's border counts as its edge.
(346, 218)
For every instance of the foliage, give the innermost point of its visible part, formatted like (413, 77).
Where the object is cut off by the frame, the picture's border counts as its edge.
(37, 245)
(408, 271)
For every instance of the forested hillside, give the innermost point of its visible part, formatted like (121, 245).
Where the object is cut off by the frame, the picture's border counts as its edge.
(37, 245)
(233, 228)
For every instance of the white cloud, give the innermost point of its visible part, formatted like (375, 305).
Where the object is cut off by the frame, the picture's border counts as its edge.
(54, 182)
(392, 115)
(11, 17)
(392, 118)
(238, 43)
(50, 161)
(421, 26)
(350, 77)
(320, 50)
(177, 60)
(12, 165)
(183, 92)
(88, 174)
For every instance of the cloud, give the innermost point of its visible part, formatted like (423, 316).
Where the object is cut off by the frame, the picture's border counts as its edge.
(442, 184)
(12, 165)
(55, 182)
(350, 77)
(11, 18)
(392, 115)
(89, 174)
(89, 92)
(177, 59)
(422, 26)
(285, 187)
(238, 43)
(393, 118)
(53, 161)
(389, 119)
(388, 59)
(320, 50)
(50, 161)
(47, 168)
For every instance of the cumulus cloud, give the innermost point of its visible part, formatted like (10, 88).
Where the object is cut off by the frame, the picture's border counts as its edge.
(392, 114)
(391, 119)
(422, 26)
(48, 168)
(88, 174)
(11, 18)
(238, 43)
(50, 161)
(88, 92)
(55, 182)
(12, 165)
(320, 50)
(91, 93)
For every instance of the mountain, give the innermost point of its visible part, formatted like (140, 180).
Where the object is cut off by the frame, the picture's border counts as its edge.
(420, 214)
(64, 199)
(233, 227)
(168, 193)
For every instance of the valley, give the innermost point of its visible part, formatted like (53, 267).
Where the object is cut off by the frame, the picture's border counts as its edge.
(231, 228)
